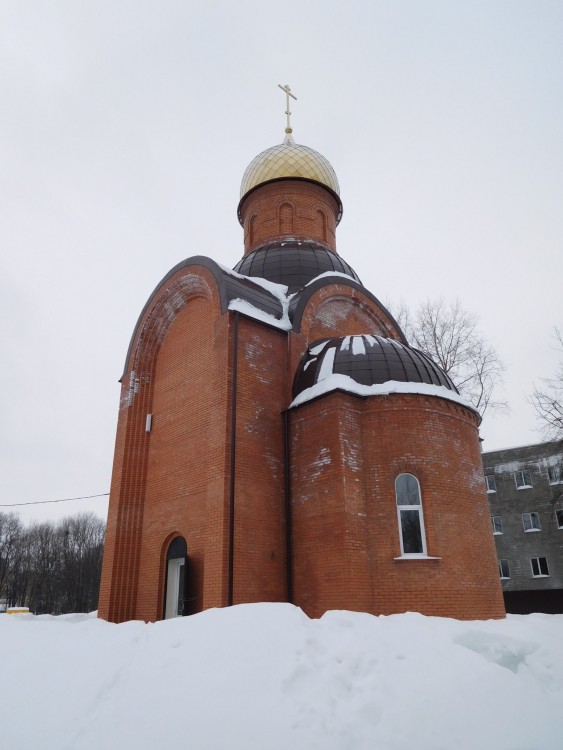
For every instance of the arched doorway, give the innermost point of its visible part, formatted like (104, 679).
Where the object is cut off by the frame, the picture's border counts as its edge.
(177, 603)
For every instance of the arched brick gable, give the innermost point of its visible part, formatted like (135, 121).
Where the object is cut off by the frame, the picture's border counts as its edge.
(130, 466)
(306, 198)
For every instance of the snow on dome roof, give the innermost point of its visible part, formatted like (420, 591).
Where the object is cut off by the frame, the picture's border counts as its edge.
(367, 360)
(289, 159)
(293, 263)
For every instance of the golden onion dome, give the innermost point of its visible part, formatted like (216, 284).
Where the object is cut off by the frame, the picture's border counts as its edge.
(289, 159)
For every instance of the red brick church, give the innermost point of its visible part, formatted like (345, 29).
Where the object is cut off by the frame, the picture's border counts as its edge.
(278, 439)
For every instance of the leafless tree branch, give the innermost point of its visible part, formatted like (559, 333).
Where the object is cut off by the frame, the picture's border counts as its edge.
(548, 399)
(450, 336)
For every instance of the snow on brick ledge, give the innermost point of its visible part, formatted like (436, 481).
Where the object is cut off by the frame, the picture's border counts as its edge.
(345, 383)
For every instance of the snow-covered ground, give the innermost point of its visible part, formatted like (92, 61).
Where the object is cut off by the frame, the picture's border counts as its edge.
(264, 676)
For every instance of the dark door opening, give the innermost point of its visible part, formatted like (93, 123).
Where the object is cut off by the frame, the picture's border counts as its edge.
(179, 593)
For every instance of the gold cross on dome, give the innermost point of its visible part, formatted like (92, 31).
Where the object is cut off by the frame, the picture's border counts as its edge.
(287, 112)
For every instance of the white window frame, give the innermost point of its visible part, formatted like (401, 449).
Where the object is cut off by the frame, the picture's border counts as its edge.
(495, 532)
(418, 508)
(556, 473)
(558, 520)
(530, 517)
(523, 485)
(501, 571)
(540, 574)
(487, 485)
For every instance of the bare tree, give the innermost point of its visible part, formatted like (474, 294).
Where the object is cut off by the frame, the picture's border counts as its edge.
(11, 532)
(450, 336)
(14, 560)
(51, 567)
(81, 543)
(548, 400)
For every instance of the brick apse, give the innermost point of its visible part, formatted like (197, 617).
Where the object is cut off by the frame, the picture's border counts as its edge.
(278, 440)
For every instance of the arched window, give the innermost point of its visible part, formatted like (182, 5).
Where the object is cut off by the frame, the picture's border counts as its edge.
(175, 592)
(286, 218)
(409, 511)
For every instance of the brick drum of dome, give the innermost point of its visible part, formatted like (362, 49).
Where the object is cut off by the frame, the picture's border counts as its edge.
(289, 208)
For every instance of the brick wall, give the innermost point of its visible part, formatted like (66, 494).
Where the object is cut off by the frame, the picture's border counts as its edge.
(338, 310)
(260, 530)
(346, 453)
(289, 208)
(171, 480)
(186, 475)
(177, 478)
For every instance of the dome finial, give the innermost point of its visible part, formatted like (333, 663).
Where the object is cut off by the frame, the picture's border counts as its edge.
(288, 94)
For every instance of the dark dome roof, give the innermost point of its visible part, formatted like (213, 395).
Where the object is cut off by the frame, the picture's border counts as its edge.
(368, 360)
(292, 263)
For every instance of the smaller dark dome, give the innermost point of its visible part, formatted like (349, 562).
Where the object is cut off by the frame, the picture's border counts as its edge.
(292, 263)
(368, 360)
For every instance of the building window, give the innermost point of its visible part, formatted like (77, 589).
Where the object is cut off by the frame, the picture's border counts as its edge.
(559, 517)
(554, 474)
(409, 510)
(491, 484)
(497, 524)
(531, 522)
(523, 479)
(503, 569)
(539, 567)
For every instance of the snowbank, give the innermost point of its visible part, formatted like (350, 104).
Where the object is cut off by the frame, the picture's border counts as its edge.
(266, 677)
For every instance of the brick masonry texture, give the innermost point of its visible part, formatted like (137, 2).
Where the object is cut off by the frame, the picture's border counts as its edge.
(345, 455)
(289, 208)
(218, 386)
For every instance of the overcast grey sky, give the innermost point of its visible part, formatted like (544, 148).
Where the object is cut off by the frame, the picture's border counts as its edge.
(126, 128)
